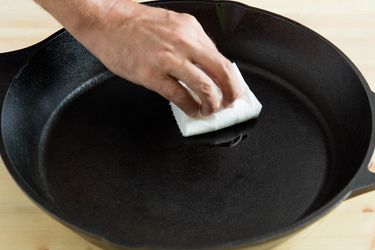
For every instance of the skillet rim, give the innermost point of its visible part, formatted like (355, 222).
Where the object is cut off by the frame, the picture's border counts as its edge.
(351, 186)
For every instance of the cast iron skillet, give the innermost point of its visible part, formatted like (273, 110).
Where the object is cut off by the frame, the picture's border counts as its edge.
(105, 157)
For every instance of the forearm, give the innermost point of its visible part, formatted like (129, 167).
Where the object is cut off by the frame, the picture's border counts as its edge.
(80, 16)
(90, 21)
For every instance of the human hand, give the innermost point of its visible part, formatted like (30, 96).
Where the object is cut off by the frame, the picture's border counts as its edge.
(155, 48)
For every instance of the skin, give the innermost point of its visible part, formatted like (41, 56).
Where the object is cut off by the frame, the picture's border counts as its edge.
(152, 47)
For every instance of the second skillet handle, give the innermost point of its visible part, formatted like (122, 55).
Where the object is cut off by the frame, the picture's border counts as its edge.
(364, 180)
(11, 62)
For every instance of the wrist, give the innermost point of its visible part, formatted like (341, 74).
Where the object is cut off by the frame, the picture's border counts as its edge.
(102, 14)
(115, 12)
(104, 21)
(81, 16)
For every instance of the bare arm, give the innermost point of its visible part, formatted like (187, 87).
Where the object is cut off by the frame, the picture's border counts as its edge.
(152, 47)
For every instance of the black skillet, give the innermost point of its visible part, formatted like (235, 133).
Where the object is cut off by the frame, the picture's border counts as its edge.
(105, 157)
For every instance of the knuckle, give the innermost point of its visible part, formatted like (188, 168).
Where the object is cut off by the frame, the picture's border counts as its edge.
(229, 79)
(208, 94)
(232, 96)
(168, 14)
(210, 42)
(226, 71)
(212, 107)
(206, 89)
(189, 18)
(181, 66)
(166, 60)
(181, 38)
(226, 66)
(173, 66)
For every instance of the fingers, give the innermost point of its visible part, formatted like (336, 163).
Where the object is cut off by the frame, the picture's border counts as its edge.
(173, 91)
(220, 69)
(201, 84)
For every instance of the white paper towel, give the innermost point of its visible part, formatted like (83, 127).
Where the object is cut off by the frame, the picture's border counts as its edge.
(244, 108)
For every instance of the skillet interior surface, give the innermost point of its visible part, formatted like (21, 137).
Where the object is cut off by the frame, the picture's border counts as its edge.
(108, 154)
(115, 161)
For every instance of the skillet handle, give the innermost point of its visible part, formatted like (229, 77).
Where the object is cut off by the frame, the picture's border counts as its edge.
(11, 62)
(364, 180)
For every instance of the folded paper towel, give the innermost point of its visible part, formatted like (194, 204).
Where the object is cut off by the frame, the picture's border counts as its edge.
(244, 108)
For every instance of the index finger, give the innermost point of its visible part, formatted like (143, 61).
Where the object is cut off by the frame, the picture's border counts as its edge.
(220, 69)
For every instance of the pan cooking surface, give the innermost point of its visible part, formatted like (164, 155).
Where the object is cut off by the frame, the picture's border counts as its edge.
(114, 161)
